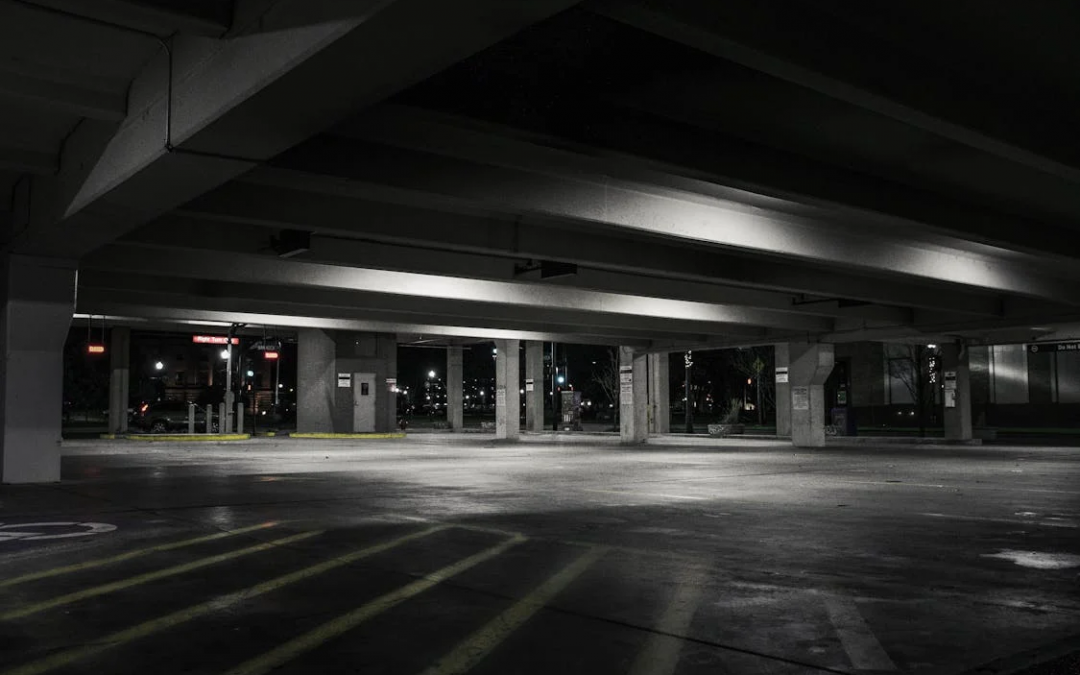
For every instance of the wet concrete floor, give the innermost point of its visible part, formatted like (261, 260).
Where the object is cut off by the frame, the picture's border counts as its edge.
(441, 554)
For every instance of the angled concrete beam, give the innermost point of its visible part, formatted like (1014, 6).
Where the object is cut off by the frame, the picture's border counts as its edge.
(234, 103)
(263, 198)
(394, 174)
(232, 267)
(784, 41)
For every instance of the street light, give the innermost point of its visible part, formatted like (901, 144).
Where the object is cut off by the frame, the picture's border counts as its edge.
(225, 354)
(560, 379)
(159, 365)
(431, 374)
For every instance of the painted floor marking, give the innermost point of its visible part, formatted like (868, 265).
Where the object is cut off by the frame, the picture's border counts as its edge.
(633, 493)
(89, 564)
(863, 649)
(346, 622)
(660, 655)
(219, 603)
(7, 534)
(1009, 521)
(150, 576)
(478, 645)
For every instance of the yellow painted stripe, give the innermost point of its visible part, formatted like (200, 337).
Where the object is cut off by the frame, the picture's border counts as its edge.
(328, 435)
(175, 438)
(660, 655)
(33, 576)
(219, 603)
(149, 576)
(331, 629)
(478, 645)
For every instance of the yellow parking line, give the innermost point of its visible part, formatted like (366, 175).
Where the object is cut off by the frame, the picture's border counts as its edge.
(221, 602)
(312, 639)
(660, 655)
(148, 577)
(44, 574)
(478, 645)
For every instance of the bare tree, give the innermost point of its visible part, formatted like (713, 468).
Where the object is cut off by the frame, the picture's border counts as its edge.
(757, 364)
(910, 364)
(607, 379)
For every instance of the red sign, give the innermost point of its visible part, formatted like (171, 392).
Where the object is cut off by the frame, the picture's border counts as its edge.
(213, 340)
(271, 355)
(95, 349)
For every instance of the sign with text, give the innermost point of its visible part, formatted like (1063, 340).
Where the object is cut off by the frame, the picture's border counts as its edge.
(273, 356)
(800, 398)
(95, 349)
(949, 379)
(213, 340)
(1054, 347)
(781, 374)
(344, 380)
(529, 384)
(626, 384)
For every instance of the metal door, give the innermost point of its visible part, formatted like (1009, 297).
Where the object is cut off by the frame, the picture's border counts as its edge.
(363, 402)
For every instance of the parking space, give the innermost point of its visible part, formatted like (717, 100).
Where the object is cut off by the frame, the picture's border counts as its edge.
(446, 554)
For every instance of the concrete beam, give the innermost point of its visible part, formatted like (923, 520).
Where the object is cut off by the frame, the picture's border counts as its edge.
(333, 209)
(262, 269)
(208, 18)
(233, 104)
(916, 93)
(22, 160)
(65, 97)
(394, 174)
(174, 292)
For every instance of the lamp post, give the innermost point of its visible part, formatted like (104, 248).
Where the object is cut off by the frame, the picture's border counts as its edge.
(688, 360)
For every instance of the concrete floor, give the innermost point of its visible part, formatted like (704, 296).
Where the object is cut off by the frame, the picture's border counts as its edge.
(568, 556)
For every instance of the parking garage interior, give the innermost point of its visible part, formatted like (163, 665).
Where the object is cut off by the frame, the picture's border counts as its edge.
(878, 201)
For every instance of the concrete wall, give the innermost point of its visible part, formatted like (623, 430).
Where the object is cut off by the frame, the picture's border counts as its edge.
(323, 406)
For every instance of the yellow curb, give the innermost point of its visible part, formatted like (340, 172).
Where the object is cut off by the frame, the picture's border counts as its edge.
(182, 438)
(326, 435)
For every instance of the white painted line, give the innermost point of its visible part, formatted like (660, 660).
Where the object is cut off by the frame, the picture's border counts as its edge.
(660, 655)
(863, 649)
(1007, 521)
(632, 493)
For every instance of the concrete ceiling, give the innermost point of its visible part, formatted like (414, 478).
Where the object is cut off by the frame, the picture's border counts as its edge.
(713, 175)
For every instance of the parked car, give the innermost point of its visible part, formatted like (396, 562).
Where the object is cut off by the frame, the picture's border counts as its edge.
(165, 416)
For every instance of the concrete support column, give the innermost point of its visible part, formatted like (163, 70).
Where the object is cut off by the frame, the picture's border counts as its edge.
(37, 298)
(455, 387)
(782, 354)
(535, 386)
(956, 377)
(387, 403)
(315, 381)
(633, 396)
(507, 393)
(119, 379)
(659, 394)
(810, 366)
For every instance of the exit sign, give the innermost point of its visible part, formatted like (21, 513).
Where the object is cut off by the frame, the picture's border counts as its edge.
(95, 349)
(273, 356)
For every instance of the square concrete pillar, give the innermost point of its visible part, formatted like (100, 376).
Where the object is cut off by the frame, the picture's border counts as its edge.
(956, 380)
(119, 378)
(507, 389)
(37, 298)
(810, 365)
(455, 388)
(633, 396)
(783, 389)
(315, 381)
(659, 394)
(535, 386)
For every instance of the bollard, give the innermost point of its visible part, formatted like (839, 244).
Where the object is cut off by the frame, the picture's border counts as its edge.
(209, 418)
(223, 420)
(239, 417)
(190, 417)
